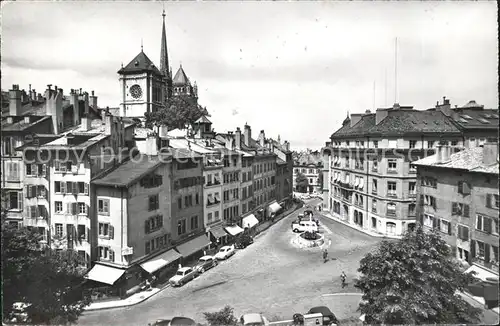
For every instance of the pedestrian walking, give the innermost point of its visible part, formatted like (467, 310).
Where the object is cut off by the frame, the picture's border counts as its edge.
(325, 256)
(343, 278)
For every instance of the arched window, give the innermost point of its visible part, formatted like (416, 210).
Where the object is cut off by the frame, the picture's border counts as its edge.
(391, 227)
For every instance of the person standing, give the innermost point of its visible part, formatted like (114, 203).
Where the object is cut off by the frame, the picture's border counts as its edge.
(343, 278)
(325, 256)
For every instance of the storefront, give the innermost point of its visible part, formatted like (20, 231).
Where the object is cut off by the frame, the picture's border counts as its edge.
(163, 265)
(233, 230)
(273, 209)
(193, 249)
(218, 236)
(105, 282)
(249, 222)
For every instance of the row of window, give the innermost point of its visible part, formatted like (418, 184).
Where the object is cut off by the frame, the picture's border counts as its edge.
(74, 208)
(483, 223)
(213, 199)
(153, 224)
(231, 177)
(181, 225)
(231, 194)
(310, 171)
(393, 143)
(157, 243)
(36, 170)
(212, 217)
(263, 183)
(231, 212)
(263, 167)
(212, 179)
(359, 164)
(71, 187)
(151, 181)
(36, 191)
(188, 182)
(359, 201)
(188, 201)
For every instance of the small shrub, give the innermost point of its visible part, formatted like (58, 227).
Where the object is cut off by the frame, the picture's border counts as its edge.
(225, 316)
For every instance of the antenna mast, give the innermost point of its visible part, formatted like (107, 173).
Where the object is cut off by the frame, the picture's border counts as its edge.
(396, 71)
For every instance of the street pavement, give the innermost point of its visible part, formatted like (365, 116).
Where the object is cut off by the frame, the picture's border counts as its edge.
(271, 276)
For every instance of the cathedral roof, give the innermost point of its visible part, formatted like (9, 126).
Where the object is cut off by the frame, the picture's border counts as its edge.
(181, 78)
(140, 63)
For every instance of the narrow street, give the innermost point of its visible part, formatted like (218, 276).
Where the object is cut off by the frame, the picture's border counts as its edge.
(271, 276)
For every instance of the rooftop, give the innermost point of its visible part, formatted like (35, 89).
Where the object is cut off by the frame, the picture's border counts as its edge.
(468, 159)
(477, 119)
(400, 121)
(181, 78)
(307, 158)
(20, 124)
(131, 171)
(140, 63)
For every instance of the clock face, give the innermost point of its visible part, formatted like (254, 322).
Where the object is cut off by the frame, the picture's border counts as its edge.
(136, 91)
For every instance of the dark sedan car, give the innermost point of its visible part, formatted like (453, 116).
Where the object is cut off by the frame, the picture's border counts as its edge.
(328, 316)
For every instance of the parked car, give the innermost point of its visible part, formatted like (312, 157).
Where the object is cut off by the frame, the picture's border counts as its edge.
(205, 263)
(225, 252)
(243, 241)
(183, 275)
(254, 320)
(176, 321)
(304, 226)
(328, 316)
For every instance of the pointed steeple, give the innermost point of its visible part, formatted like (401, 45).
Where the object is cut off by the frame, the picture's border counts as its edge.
(164, 51)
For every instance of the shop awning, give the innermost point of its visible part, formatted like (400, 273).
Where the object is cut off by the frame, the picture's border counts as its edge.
(104, 274)
(234, 230)
(188, 248)
(160, 261)
(250, 221)
(482, 273)
(361, 183)
(218, 232)
(274, 207)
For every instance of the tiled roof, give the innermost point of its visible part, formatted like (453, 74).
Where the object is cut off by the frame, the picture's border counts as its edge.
(181, 78)
(140, 63)
(398, 122)
(130, 171)
(468, 159)
(181, 153)
(308, 158)
(21, 125)
(476, 119)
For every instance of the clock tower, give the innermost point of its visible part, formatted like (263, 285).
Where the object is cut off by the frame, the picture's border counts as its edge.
(142, 85)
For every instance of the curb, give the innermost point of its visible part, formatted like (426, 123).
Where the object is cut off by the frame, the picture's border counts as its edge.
(375, 235)
(168, 285)
(131, 304)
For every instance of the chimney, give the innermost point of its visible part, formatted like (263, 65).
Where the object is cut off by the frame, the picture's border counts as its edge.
(355, 118)
(380, 115)
(53, 107)
(73, 100)
(490, 153)
(262, 138)
(86, 124)
(151, 144)
(443, 153)
(33, 95)
(248, 134)
(15, 101)
(368, 111)
(108, 123)
(237, 138)
(86, 103)
(287, 145)
(93, 100)
(39, 97)
(103, 116)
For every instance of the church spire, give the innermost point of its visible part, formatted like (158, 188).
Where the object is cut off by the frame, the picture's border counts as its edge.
(164, 52)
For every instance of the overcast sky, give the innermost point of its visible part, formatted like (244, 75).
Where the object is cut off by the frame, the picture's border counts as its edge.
(290, 68)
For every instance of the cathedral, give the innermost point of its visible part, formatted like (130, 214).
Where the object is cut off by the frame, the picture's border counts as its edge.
(145, 88)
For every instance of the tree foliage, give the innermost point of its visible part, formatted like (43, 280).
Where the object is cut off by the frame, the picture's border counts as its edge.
(47, 281)
(302, 183)
(178, 112)
(225, 316)
(414, 281)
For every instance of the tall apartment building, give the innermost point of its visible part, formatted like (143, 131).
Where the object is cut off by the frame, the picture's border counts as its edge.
(33, 118)
(284, 171)
(310, 164)
(458, 195)
(150, 216)
(368, 162)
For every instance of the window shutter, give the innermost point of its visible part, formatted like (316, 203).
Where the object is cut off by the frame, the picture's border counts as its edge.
(20, 201)
(88, 234)
(438, 224)
(453, 208)
(44, 170)
(434, 203)
(472, 250)
(111, 232)
(28, 211)
(27, 191)
(74, 208)
(146, 226)
(486, 253)
(488, 200)
(75, 188)
(465, 188)
(87, 259)
(460, 187)
(68, 208)
(37, 211)
(434, 222)
(450, 228)
(422, 200)
(466, 211)
(466, 234)
(111, 255)
(63, 187)
(487, 224)
(86, 188)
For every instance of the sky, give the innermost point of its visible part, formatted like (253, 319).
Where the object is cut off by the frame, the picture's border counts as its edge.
(292, 69)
